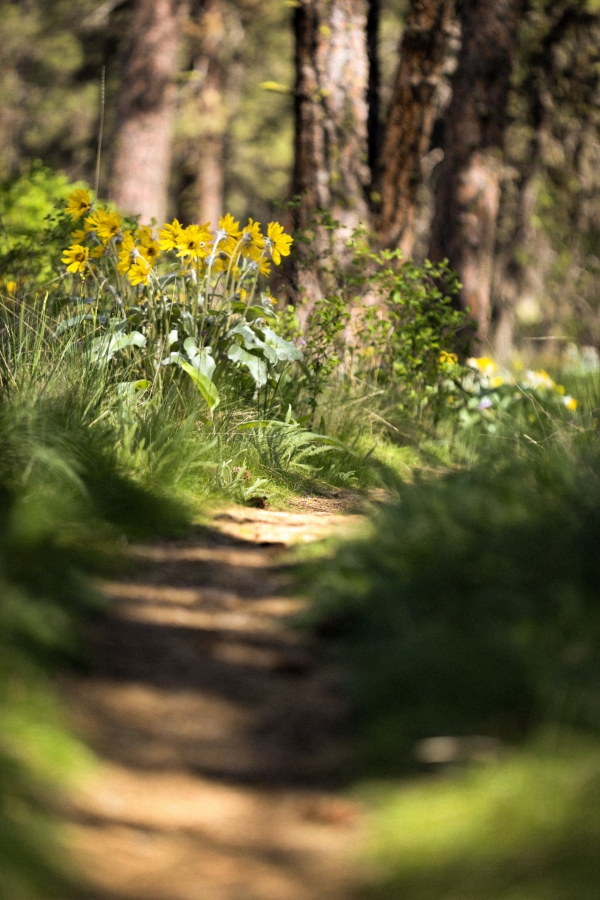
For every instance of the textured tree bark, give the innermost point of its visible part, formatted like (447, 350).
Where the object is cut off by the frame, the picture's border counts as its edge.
(210, 176)
(374, 86)
(330, 168)
(142, 158)
(468, 188)
(412, 113)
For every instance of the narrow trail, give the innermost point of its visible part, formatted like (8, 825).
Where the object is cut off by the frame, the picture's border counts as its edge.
(218, 729)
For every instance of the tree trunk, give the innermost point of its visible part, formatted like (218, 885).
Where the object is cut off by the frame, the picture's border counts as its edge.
(374, 86)
(210, 177)
(468, 188)
(330, 168)
(413, 110)
(142, 160)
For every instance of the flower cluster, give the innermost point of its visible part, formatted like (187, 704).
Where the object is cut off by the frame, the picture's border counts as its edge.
(486, 371)
(136, 251)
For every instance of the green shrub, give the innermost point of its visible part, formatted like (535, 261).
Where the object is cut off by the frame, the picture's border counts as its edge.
(32, 230)
(474, 605)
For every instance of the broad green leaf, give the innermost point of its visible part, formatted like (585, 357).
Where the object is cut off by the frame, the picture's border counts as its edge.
(253, 342)
(256, 366)
(190, 346)
(204, 363)
(130, 388)
(201, 360)
(106, 346)
(72, 322)
(204, 385)
(285, 350)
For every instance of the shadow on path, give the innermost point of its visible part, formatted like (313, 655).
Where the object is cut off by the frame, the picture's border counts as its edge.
(218, 729)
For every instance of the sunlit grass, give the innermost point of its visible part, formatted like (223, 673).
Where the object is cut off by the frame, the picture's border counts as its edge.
(524, 828)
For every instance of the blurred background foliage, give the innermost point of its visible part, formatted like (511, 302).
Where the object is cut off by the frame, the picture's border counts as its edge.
(546, 262)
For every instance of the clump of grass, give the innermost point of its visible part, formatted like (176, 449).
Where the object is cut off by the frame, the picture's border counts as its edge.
(473, 605)
(524, 828)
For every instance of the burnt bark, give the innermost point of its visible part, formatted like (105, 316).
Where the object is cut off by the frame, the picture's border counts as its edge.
(374, 84)
(142, 157)
(330, 167)
(468, 187)
(413, 110)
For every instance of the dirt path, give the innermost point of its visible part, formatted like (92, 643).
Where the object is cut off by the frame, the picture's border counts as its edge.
(217, 728)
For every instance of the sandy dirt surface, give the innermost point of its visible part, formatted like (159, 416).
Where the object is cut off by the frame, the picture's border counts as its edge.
(218, 729)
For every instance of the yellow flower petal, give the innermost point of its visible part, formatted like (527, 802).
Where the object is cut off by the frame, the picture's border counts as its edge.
(278, 241)
(75, 258)
(78, 203)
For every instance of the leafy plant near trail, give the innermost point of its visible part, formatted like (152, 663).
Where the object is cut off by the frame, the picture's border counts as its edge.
(188, 298)
(32, 231)
(382, 319)
(473, 606)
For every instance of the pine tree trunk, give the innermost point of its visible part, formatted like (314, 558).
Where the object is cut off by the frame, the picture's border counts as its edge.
(210, 175)
(413, 109)
(142, 159)
(330, 170)
(468, 188)
(374, 86)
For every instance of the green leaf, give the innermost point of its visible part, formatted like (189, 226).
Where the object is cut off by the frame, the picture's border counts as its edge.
(130, 388)
(201, 359)
(285, 350)
(256, 366)
(204, 363)
(105, 347)
(250, 339)
(204, 385)
(253, 342)
(71, 323)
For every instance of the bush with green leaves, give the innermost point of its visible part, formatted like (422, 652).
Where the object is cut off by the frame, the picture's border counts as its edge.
(381, 318)
(473, 606)
(32, 232)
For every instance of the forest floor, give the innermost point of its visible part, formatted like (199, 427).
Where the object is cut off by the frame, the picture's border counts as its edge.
(218, 730)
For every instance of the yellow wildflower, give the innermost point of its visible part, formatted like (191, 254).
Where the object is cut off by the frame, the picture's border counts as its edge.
(278, 242)
(149, 248)
(570, 403)
(78, 203)
(229, 233)
(497, 381)
(253, 242)
(448, 358)
(98, 251)
(75, 258)
(483, 364)
(150, 252)
(79, 235)
(228, 224)
(170, 235)
(139, 271)
(126, 255)
(264, 266)
(106, 224)
(8, 287)
(559, 388)
(195, 242)
(539, 380)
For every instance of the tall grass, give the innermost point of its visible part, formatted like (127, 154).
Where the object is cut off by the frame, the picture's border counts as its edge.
(473, 605)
